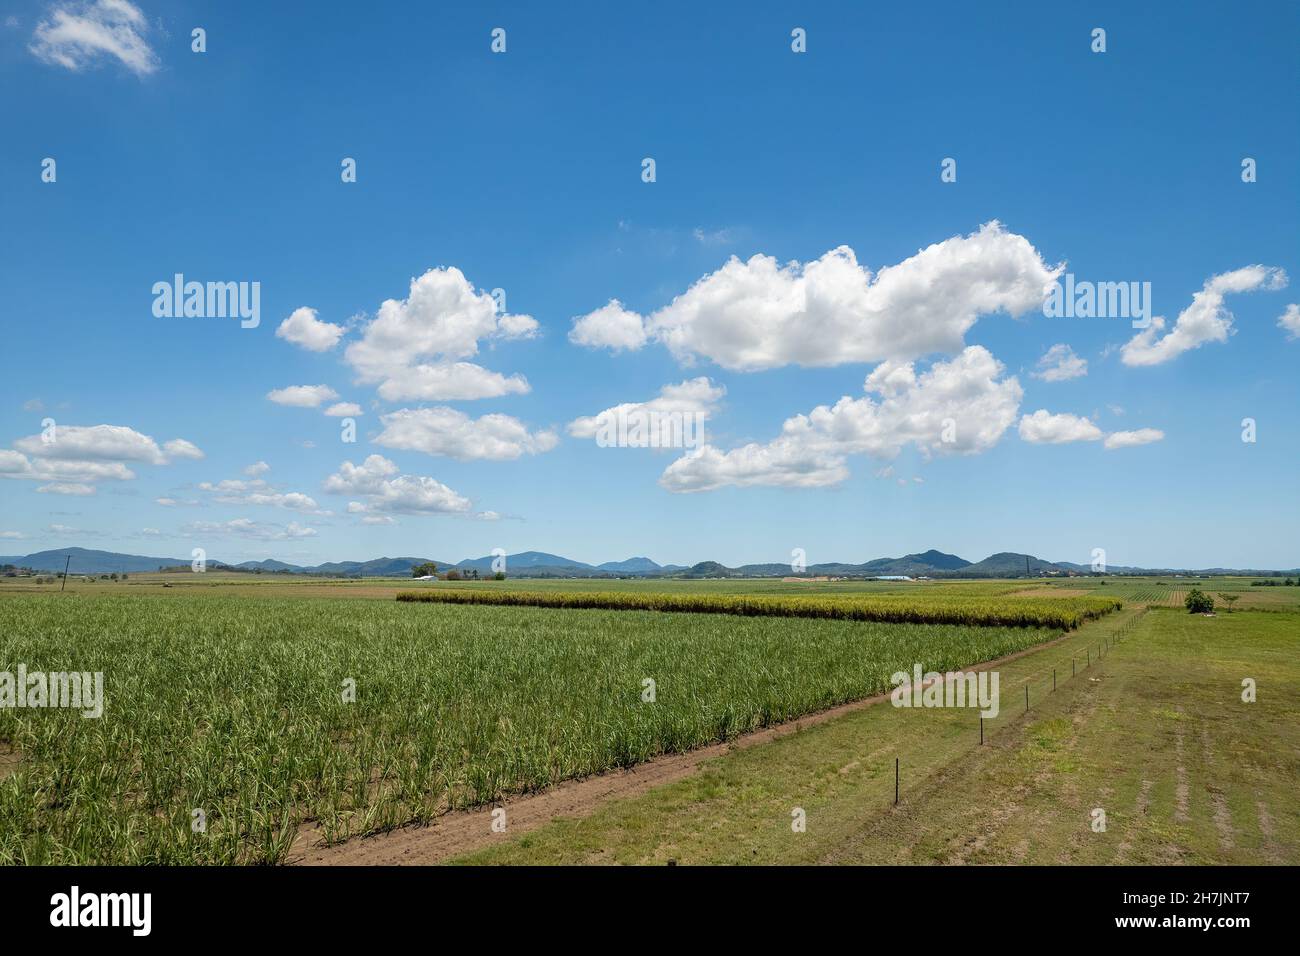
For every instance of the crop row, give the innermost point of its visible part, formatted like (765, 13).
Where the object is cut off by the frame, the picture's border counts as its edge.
(1065, 613)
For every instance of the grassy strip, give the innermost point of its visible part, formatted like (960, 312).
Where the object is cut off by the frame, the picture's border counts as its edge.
(1065, 613)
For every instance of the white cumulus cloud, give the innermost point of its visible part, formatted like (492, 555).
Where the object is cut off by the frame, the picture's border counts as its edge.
(303, 329)
(180, 448)
(15, 464)
(760, 314)
(256, 491)
(781, 462)
(1060, 364)
(383, 490)
(67, 488)
(611, 327)
(694, 396)
(1142, 436)
(1205, 320)
(1043, 427)
(446, 431)
(302, 396)
(101, 443)
(70, 459)
(414, 347)
(956, 407)
(449, 381)
(1290, 321)
(247, 528)
(343, 409)
(77, 35)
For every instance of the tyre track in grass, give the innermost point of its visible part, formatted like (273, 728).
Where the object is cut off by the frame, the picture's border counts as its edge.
(464, 831)
(958, 775)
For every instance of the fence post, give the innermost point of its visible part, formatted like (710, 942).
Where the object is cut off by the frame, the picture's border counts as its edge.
(981, 731)
(895, 781)
(1026, 698)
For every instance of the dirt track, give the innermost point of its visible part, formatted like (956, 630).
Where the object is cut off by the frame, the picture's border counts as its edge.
(455, 834)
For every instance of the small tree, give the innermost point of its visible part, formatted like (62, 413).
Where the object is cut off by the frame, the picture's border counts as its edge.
(426, 569)
(453, 575)
(1230, 599)
(499, 576)
(1198, 602)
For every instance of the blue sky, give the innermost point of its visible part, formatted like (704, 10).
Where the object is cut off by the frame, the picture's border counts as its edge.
(523, 170)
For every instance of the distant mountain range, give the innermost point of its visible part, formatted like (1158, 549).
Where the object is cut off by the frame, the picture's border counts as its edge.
(541, 564)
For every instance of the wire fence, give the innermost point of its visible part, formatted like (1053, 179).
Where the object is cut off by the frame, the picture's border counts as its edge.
(1094, 652)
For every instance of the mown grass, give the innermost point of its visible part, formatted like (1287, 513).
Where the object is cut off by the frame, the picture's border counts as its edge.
(236, 708)
(1156, 733)
(1059, 612)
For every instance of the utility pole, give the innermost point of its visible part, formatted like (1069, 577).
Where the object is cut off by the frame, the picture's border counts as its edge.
(66, 565)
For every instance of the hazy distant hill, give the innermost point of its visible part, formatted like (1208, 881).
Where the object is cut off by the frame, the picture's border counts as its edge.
(630, 566)
(378, 567)
(543, 564)
(710, 569)
(937, 560)
(523, 560)
(1010, 564)
(911, 565)
(85, 561)
(270, 564)
(771, 570)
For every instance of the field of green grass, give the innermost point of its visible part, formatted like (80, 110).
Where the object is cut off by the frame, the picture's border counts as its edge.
(235, 707)
(225, 693)
(1170, 591)
(1155, 734)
